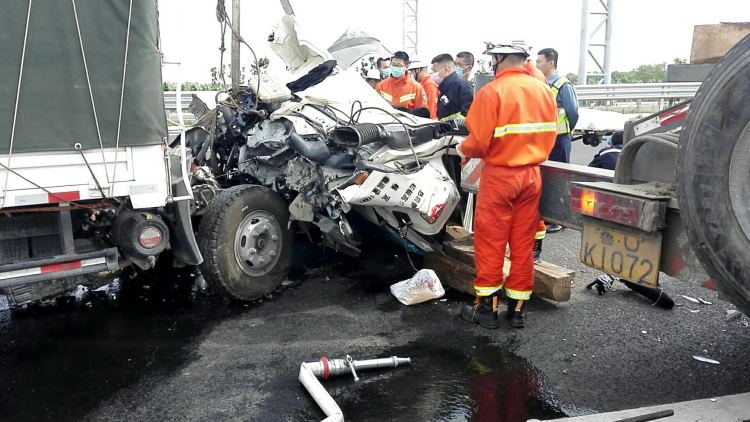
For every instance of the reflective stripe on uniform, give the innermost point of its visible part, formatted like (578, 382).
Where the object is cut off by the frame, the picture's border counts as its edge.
(487, 291)
(386, 95)
(407, 97)
(452, 116)
(519, 128)
(540, 235)
(517, 294)
(563, 124)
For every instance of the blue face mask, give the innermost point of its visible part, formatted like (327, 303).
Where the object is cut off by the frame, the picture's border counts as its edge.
(459, 72)
(397, 72)
(386, 72)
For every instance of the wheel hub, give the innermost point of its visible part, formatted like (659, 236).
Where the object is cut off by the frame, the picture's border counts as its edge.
(739, 180)
(257, 244)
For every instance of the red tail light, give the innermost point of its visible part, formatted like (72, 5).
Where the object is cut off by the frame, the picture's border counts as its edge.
(607, 206)
(150, 237)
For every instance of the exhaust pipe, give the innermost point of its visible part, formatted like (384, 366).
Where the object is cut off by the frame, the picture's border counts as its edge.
(309, 372)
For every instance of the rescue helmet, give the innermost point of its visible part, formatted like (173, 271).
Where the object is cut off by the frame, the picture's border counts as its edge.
(505, 47)
(416, 64)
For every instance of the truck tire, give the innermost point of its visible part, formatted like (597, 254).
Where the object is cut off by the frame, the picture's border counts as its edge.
(713, 175)
(246, 242)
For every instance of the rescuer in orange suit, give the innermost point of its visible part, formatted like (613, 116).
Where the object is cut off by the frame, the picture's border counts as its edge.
(512, 128)
(399, 89)
(420, 74)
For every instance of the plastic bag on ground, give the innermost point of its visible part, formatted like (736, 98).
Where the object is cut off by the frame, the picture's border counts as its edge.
(423, 286)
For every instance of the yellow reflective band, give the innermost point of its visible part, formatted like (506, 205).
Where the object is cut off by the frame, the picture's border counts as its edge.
(517, 294)
(540, 235)
(486, 291)
(520, 128)
(407, 97)
(386, 95)
(452, 116)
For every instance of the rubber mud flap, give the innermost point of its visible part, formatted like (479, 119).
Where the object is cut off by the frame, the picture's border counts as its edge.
(713, 175)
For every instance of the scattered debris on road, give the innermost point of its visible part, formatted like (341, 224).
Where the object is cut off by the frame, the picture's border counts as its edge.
(706, 360)
(691, 299)
(733, 315)
(422, 287)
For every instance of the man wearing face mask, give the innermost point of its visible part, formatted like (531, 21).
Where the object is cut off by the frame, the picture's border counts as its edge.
(384, 66)
(420, 74)
(399, 89)
(464, 65)
(456, 94)
(512, 128)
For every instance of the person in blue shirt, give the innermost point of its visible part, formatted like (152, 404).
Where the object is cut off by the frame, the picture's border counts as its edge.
(567, 110)
(567, 103)
(607, 157)
(456, 93)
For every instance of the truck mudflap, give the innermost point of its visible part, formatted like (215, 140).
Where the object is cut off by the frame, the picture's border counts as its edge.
(18, 274)
(184, 246)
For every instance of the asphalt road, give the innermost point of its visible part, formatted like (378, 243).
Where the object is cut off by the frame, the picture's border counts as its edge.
(160, 351)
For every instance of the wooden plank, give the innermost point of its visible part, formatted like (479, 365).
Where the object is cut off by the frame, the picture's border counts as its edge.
(711, 42)
(550, 281)
(455, 232)
(454, 273)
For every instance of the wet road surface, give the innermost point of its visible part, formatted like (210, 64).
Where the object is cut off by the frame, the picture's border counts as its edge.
(160, 351)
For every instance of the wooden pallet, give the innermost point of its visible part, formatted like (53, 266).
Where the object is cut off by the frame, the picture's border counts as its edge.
(455, 267)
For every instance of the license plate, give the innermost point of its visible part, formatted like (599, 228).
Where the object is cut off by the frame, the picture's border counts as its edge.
(630, 254)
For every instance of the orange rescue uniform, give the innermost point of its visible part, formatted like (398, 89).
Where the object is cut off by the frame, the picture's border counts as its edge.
(402, 92)
(431, 91)
(512, 127)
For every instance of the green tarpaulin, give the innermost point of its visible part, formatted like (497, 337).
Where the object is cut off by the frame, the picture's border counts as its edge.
(54, 108)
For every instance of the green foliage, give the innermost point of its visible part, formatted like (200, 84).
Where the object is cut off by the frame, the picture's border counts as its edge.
(644, 73)
(193, 86)
(678, 60)
(572, 77)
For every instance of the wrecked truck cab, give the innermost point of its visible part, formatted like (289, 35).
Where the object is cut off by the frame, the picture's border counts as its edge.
(307, 163)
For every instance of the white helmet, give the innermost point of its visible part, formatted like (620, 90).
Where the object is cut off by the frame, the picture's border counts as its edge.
(373, 74)
(512, 47)
(416, 64)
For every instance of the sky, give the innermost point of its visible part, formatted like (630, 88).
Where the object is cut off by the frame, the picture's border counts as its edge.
(643, 31)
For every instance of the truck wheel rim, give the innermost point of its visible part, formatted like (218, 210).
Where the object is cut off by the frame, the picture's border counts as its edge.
(257, 243)
(739, 180)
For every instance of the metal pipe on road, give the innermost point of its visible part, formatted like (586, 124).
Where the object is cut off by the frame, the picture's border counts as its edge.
(309, 372)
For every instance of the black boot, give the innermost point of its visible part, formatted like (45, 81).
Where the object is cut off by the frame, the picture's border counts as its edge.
(516, 318)
(482, 312)
(538, 250)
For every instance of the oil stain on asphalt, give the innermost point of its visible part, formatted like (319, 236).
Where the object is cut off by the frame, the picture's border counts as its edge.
(62, 362)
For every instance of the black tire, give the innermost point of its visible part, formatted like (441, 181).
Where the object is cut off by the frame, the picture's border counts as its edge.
(241, 208)
(713, 175)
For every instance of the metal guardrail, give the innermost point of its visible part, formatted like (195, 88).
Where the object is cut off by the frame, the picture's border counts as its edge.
(647, 91)
(170, 98)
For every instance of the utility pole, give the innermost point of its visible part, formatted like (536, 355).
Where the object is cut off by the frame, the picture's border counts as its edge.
(411, 26)
(235, 45)
(595, 46)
